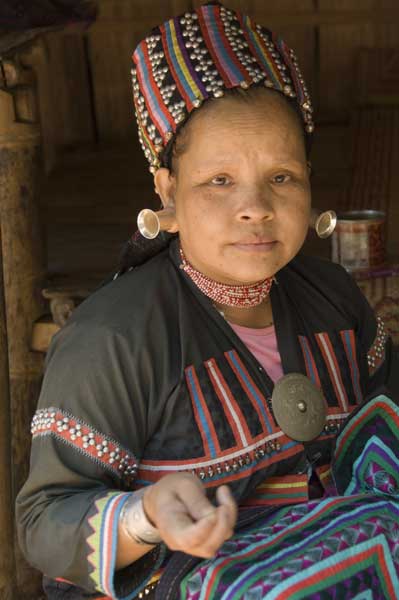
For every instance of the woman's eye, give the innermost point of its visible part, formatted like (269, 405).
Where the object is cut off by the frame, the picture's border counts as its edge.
(282, 178)
(220, 180)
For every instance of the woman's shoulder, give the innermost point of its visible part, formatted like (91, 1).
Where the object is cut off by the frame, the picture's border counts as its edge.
(318, 270)
(324, 280)
(124, 302)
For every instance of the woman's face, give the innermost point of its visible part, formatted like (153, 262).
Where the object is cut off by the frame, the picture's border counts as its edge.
(241, 190)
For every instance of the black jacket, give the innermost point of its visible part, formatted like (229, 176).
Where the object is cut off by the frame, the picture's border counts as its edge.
(148, 378)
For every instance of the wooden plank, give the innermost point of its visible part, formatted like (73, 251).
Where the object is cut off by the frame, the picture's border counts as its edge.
(112, 40)
(110, 59)
(387, 34)
(141, 9)
(376, 26)
(71, 114)
(273, 19)
(346, 6)
(337, 89)
(252, 7)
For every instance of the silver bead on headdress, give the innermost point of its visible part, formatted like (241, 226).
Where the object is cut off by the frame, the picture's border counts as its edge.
(201, 55)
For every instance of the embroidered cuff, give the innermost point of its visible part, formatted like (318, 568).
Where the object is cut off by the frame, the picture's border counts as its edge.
(102, 554)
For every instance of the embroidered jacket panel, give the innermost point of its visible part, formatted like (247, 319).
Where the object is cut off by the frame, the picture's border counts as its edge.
(147, 379)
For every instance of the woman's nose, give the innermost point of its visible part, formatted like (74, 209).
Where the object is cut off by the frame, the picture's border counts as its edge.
(256, 206)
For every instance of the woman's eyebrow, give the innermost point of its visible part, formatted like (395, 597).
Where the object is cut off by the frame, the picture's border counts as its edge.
(232, 161)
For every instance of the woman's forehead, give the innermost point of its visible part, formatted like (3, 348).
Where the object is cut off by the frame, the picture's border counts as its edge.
(231, 127)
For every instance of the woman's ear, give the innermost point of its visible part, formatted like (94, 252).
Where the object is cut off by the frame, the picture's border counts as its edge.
(164, 183)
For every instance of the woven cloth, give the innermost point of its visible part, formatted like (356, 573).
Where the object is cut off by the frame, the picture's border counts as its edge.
(344, 547)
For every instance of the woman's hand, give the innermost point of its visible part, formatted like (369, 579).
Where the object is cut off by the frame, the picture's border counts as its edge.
(186, 519)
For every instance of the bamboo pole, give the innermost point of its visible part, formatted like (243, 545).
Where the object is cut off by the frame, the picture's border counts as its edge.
(23, 260)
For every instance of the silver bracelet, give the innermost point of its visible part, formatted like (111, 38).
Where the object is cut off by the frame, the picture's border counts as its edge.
(135, 522)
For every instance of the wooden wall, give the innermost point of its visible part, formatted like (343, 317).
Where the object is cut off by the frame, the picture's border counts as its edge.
(95, 66)
(86, 99)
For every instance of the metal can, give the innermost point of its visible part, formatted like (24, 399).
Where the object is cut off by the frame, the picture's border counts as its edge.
(358, 241)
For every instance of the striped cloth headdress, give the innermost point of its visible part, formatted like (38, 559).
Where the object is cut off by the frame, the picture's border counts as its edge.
(200, 55)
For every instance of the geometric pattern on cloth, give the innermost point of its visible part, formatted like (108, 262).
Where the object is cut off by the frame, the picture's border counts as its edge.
(366, 457)
(101, 543)
(85, 439)
(376, 353)
(335, 548)
(376, 470)
(102, 547)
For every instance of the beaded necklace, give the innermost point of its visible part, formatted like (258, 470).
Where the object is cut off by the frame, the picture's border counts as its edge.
(241, 296)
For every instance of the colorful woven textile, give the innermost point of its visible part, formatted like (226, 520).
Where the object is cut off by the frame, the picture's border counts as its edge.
(342, 547)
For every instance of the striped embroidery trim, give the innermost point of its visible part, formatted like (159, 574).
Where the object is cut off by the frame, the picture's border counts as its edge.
(228, 67)
(229, 404)
(102, 543)
(179, 54)
(228, 468)
(82, 437)
(159, 114)
(103, 540)
(331, 362)
(310, 364)
(202, 415)
(376, 354)
(294, 69)
(177, 66)
(283, 490)
(259, 47)
(349, 341)
(258, 400)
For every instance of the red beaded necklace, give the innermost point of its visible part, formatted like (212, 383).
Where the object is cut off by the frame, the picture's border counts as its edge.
(241, 296)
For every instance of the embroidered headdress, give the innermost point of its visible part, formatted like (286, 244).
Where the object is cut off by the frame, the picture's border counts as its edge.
(200, 55)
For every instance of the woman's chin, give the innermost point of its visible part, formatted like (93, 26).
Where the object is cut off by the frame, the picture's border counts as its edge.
(249, 276)
(251, 271)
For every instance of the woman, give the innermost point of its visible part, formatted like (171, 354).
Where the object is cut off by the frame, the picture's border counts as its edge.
(160, 432)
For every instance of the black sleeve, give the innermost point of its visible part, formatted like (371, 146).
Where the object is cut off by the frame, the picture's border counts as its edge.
(88, 435)
(375, 343)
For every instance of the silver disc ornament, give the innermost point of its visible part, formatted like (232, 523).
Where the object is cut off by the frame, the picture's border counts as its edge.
(299, 407)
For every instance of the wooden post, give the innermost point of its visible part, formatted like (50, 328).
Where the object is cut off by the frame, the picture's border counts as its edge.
(7, 560)
(23, 262)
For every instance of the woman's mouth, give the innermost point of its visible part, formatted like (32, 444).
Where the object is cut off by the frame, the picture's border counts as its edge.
(257, 246)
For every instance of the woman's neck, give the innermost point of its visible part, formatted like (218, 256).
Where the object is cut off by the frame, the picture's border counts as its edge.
(255, 317)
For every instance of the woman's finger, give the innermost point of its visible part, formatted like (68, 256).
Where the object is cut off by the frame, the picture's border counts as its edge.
(180, 532)
(192, 494)
(225, 498)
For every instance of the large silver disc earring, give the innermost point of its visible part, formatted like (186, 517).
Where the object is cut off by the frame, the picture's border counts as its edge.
(150, 223)
(323, 222)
